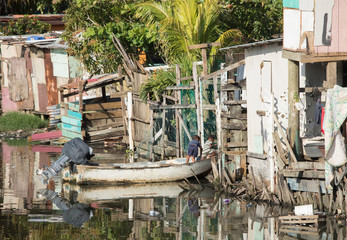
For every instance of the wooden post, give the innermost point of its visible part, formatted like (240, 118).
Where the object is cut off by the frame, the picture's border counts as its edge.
(163, 131)
(218, 124)
(215, 88)
(151, 139)
(80, 96)
(130, 124)
(196, 92)
(203, 48)
(120, 74)
(204, 61)
(103, 93)
(293, 116)
(202, 136)
(271, 146)
(178, 101)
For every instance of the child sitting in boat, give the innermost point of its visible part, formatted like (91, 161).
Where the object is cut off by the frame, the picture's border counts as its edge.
(207, 150)
(193, 148)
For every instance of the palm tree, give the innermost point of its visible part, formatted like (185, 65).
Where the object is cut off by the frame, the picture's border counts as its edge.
(185, 22)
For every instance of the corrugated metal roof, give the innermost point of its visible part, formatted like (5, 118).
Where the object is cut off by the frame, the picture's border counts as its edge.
(254, 44)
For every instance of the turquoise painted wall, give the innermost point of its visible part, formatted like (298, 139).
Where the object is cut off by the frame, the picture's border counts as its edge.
(291, 3)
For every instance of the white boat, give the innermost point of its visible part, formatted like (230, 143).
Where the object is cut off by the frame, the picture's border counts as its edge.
(91, 194)
(139, 172)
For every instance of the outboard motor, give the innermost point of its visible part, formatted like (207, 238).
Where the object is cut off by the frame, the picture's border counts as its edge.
(75, 152)
(75, 214)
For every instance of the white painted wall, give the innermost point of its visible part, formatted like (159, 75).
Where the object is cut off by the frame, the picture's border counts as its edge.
(273, 76)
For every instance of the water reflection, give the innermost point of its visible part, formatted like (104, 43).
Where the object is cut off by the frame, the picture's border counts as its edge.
(151, 211)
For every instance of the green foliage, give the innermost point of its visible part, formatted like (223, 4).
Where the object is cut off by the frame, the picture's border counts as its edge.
(257, 20)
(13, 121)
(156, 84)
(89, 28)
(25, 25)
(33, 6)
(182, 23)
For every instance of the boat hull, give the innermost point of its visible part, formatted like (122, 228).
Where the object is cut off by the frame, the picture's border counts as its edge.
(143, 172)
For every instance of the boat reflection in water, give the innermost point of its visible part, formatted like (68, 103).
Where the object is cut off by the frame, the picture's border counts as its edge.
(146, 211)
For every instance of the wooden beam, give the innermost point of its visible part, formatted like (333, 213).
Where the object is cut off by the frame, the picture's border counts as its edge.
(235, 102)
(279, 147)
(179, 87)
(309, 165)
(204, 45)
(295, 56)
(297, 173)
(235, 116)
(313, 59)
(226, 69)
(184, 126)
(257, 155)
(102, 106)
(234, 126)
(101, 115)
(284, 138)
(236, 144)
(172, 107)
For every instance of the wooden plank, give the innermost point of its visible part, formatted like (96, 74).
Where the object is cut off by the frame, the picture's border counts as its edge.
(309, 165)
(172, 107)
(284, 138)
(292, 231)
(169, 97)
(236, 144)
(234, 126)
(71, 135)
(204, 45)
(279, 147)
(102, 106)
(72, 121)
(100, 115)
(306, 185)
(297, 173)
(117, 123)
(296, 56)
(118, 94)
(210, 107)
(188, 87)
(71, 128)
(70, 106)
(71, 114)
(314, 59)
(105, 131)
(234, 116)
(235, 102)
(111, 135)
(226, 69)
(102, 83)
(257, 155)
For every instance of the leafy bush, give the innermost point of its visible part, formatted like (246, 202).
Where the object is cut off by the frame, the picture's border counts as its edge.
(25, 25)
(13, 121)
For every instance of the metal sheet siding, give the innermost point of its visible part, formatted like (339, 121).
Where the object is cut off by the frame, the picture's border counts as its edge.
(7, 104)
(60, 63)
(51, 81)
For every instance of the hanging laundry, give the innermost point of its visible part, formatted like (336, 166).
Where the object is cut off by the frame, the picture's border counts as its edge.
(318, 113)
(335, 115)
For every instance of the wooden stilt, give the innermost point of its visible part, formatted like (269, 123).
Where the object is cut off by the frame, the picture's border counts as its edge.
(163, 131)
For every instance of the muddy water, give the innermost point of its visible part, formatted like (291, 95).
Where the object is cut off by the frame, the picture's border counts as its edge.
(32, 210)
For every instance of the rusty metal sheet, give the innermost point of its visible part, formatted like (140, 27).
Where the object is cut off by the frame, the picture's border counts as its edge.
(43, 98)
(51, 80)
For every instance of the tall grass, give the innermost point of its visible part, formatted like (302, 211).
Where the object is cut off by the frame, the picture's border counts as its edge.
(13, 121)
